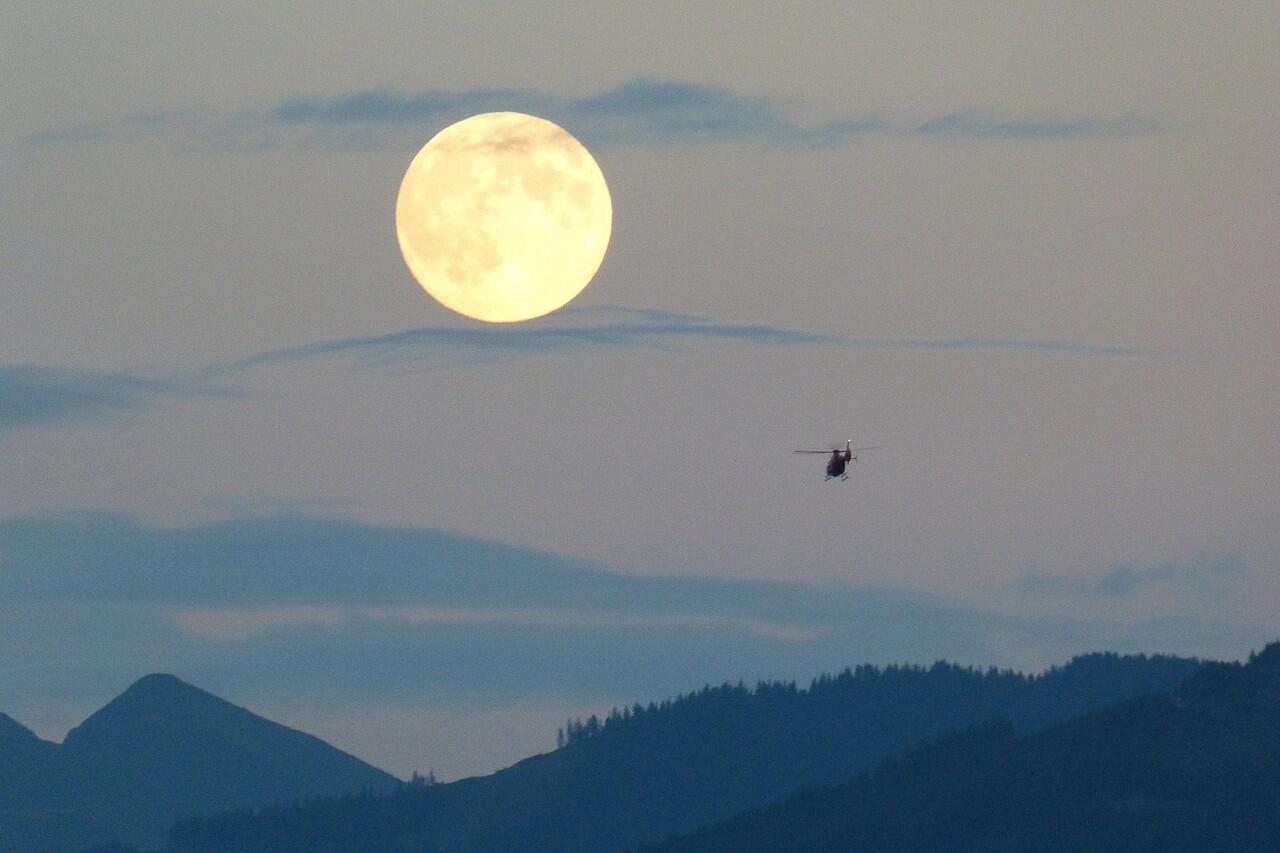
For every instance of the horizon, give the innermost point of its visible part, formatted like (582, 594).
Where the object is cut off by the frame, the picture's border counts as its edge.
(802, 684)
(752, 688)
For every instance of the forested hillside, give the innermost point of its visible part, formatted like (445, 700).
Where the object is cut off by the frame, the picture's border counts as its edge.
(649, 771)
(1195, 771)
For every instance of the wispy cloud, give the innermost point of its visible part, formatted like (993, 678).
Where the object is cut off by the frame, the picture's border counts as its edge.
(984, 126)
(32, 395)
(613, 328)
(665, 110)
(386, 106)
(1203, 573)
(572, 330)
(305, 604)
(39, 396)
(1048, 345)
(635, 112)
(288, 561)
(290, 607)
(74, 135)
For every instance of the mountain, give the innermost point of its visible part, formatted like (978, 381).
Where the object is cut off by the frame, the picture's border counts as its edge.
(160, 751)
(34, 800)
(24, 756)
(1194, 771)
(647, 772)
(19, 743)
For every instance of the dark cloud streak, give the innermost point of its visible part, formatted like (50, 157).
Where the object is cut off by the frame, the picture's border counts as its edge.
(639, 110)
(1016, 344)
(438, 346)
(385, 106)
(33, 396)
(77, 135)
(433, 347)
(37, 396)
(635, 112)
(979, 126)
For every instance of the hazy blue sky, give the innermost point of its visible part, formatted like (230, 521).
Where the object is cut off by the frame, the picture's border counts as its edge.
(1033, 253)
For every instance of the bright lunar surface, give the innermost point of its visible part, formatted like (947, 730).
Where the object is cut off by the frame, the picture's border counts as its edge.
(503, 217)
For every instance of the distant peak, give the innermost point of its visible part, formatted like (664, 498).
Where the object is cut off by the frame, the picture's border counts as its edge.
(161, 685)
(154, 700)
(158, 680)
(163, 689)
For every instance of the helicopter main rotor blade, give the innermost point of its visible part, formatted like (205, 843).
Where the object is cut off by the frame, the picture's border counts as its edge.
(823, 452)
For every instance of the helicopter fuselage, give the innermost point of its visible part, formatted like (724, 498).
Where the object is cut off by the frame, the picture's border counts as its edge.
(835, 465)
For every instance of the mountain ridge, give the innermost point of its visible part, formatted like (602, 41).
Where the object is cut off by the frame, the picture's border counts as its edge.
(161, 750)
(14, 735)
(1198, 769)
(724, 749)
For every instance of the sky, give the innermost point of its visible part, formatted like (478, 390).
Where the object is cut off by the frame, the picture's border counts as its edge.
(1029, 252)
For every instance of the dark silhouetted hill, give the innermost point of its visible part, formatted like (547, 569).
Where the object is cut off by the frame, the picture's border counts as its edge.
(160, 751)
(650, 771)
(36, 800)
(1195, 771)
(23, 758)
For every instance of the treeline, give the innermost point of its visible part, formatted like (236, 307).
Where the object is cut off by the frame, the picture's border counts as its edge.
(643, 773)
(1184, 773)
(1085, 681)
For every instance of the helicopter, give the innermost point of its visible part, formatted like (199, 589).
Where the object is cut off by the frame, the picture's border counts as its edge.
(839, 458)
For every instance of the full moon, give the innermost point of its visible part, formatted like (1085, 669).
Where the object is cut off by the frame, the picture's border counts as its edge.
(503, 217)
